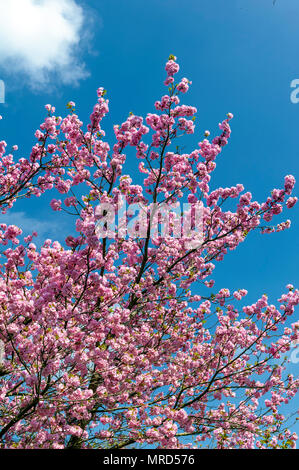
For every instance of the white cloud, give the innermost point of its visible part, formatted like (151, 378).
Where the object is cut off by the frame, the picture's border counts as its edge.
(50, 228)
(42, 37)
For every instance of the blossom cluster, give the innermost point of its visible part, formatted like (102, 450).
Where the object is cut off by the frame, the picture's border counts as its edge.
(112, 343)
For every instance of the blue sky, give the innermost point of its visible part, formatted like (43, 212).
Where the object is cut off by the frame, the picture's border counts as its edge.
(241, 56)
